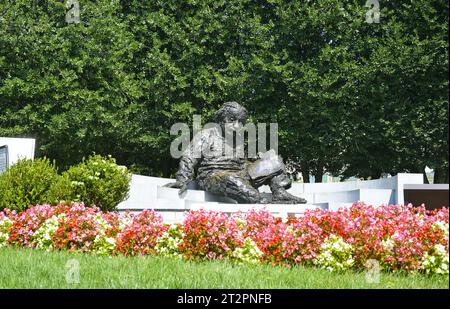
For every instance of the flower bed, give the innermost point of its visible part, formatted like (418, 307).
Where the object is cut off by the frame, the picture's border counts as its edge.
(396, 238)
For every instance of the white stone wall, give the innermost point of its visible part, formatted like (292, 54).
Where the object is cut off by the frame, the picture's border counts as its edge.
(18, 148)
(149, 193)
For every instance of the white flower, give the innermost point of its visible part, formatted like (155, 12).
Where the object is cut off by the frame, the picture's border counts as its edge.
(437, 262)
(169, 242)
(249, 253)
(103, 245)
(388, 244)
(335, 254)
(104, 225)
(5, 225)
(442, 226)
(241, 223)
(124, 221)
(42, 237)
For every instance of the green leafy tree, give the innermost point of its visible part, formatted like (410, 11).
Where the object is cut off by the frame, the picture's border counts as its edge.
(351, 98)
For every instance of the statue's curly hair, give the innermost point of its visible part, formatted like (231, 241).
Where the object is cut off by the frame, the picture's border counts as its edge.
(232, 108)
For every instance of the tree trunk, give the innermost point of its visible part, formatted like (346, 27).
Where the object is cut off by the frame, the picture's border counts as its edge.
(441, 175)
(425, 178)
(305, 171)
(318, 175)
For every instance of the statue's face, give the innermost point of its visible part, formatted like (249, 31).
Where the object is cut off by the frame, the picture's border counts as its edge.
(235, 118)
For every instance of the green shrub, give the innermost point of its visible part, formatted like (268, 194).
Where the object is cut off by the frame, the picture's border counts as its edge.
(96, 181)
(28, 182)
(61, 191)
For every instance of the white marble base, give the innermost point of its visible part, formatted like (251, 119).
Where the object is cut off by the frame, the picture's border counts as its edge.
(149, 193)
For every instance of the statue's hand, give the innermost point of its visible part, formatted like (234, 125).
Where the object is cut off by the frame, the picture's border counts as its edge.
(180, 185)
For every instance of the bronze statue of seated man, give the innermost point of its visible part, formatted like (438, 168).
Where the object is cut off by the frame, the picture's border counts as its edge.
(229, 175)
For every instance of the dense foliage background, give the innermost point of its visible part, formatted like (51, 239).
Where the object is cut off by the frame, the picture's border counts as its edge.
(351, 98)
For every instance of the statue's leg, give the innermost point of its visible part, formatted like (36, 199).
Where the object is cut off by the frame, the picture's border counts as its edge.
(234, 185)
(241, 190)
(270, 170)
(278, 186)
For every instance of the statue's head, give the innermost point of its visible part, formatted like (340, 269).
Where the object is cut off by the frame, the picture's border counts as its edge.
(231, 112)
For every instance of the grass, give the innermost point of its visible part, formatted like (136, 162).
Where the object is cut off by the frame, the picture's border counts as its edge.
(31, 268)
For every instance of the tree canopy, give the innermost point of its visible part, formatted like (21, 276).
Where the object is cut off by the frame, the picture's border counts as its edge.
(350, 97)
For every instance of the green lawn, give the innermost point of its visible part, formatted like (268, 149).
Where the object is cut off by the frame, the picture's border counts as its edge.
(27, 268)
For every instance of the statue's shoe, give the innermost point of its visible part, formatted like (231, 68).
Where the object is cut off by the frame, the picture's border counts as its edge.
(283, 197)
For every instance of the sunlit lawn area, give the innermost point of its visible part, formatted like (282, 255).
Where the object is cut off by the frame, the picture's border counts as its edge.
(28, 268)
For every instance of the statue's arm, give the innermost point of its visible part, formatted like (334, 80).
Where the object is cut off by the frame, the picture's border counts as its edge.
(188, 162)
(186, 169)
